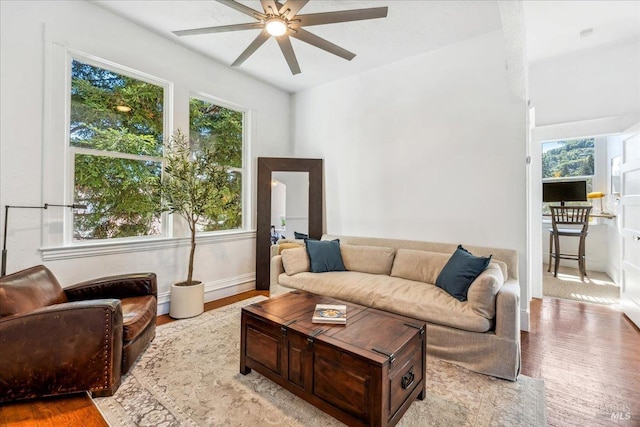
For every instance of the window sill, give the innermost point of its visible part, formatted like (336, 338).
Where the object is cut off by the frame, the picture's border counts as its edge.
(81, 250)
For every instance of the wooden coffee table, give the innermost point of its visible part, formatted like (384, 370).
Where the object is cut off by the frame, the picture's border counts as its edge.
(364, 373)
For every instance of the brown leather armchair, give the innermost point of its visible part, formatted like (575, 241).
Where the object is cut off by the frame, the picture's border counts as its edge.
(56, 340)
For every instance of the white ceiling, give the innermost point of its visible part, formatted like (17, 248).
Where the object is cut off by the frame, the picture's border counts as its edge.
(553, 27)
(412, 27)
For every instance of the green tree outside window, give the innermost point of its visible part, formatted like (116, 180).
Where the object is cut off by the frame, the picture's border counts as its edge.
(116, 137)
(220, 130)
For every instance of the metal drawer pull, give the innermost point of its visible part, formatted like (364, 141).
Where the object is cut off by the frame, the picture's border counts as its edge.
(407, 380)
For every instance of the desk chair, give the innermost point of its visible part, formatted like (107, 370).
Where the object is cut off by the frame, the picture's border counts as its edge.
(568, 215)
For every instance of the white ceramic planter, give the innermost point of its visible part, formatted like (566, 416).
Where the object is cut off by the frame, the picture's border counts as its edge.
(186, 301)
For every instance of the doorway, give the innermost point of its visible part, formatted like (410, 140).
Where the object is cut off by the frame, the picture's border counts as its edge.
(606, 231)
(575, 173)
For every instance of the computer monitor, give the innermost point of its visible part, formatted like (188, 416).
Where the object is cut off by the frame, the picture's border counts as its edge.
(564, 191)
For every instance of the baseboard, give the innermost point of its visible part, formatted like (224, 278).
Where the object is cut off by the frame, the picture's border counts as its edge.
(524, 320)
(215, 290)
(630, 309)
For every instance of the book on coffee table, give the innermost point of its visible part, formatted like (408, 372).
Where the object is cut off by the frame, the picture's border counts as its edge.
(330, 313)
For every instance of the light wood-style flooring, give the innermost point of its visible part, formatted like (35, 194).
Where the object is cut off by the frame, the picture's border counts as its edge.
(589, 356)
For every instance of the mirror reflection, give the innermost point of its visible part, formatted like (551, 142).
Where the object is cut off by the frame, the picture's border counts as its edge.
(289, 205)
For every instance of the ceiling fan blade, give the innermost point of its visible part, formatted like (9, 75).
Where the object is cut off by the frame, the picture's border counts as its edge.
(222, 29)
(323, 44)
(341, 16)
(287, 50)
(270, 7)
(242, 8)
(294, 7)
(259, 41)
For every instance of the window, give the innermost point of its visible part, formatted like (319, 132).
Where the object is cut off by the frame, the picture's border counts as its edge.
(568, 160)
(116, 131)
(222, 129)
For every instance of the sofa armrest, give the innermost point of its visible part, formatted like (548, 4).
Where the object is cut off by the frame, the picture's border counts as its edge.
(508, 311)
(277, 268)
(122, 286)
(62, 348)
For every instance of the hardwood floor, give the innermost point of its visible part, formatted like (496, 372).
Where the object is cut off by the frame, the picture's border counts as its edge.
(588, 355)
(589, 358)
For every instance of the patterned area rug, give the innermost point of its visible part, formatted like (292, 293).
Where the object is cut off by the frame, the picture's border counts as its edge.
(189, 377)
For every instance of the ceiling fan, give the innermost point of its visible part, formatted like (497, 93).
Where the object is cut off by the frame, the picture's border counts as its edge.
(282, 21)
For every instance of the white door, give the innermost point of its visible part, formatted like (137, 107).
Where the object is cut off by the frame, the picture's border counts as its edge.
(630, 221)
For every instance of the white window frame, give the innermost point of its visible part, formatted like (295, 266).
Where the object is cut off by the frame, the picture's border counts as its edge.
(167, 87)
(57, 177)
(59, 155)
(246, 159)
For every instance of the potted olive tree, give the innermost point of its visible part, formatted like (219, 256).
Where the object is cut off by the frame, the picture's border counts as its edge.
(192, 186)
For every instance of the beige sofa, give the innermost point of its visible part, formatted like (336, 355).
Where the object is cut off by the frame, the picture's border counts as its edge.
(481, 334)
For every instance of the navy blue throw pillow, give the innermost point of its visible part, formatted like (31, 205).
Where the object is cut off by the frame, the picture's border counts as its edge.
(324, 255)
(460, 271)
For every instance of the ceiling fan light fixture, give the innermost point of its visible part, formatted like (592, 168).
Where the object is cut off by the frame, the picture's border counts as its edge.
(276, 26)
(281, 19)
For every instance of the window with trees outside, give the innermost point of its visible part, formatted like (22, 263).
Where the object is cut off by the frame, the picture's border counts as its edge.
(568, 160)
(222, 129)
(116, 138)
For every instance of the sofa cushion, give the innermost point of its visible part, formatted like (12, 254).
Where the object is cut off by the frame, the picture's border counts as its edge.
(368, 259)
(460, 271)
(283, 246)
(482, 292)
(394, 294)
(324, 255)
(420, 266)
(295, 261)
(137, 313)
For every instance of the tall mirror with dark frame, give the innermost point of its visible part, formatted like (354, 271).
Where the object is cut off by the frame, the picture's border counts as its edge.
(305, 173)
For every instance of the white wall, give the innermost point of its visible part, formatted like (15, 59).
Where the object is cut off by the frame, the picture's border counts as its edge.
(430, 148)
(278, 204)
(588, 85)
(28, 29)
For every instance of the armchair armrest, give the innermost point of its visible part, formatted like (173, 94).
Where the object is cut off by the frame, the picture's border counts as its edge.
(508, 310)
(121, 286)
(62, 348)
